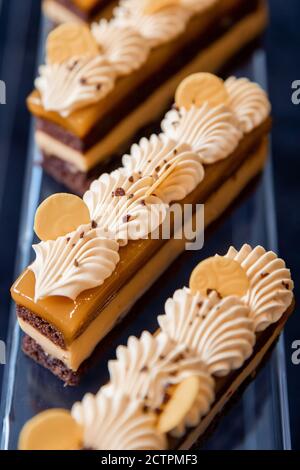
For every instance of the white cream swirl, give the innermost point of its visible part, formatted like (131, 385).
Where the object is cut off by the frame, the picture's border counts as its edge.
(271, 287)
(120, 206)
(158, 28)
(117, 423)
(221, 332)
(71, 264)
(76, 83)
(213, 133)
(122, 46)
(148, 365)
(248, 101)
(157, 156)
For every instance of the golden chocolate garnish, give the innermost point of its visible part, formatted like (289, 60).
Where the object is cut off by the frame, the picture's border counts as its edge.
(153, 6)
(60, 214)
(182, 399)
(224, 275)
(51, 430)
(70, 40)
(199, 88)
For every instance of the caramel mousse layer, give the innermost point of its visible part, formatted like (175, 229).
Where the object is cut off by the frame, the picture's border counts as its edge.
(74, 354)
(89, 124)
(72, 318)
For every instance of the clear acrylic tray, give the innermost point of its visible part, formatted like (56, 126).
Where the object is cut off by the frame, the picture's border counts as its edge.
(260, 420)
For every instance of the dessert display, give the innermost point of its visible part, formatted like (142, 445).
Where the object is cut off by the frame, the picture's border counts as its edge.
(99, 254)
(81, 11)
(101, 84)
(166, 389)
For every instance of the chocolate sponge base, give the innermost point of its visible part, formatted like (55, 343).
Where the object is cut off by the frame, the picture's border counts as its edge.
(57, 367)
(76, 181)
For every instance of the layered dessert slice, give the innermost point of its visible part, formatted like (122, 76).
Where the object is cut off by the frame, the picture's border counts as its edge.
(101, 85)
(166, 389)
(81, 11)
(100, 254)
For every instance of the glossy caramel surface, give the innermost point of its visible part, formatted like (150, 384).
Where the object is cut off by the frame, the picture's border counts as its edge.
(71, 318)
(86, 4)
(81, 121)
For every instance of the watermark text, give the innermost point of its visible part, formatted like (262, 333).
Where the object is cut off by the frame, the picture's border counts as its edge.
(2, 92)
(296, 92)
(296, 354)
(2, 353)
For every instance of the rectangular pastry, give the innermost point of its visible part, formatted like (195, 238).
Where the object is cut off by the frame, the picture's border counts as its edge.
(100, 254)
(99, 87)
(166, 389)
(82, 11)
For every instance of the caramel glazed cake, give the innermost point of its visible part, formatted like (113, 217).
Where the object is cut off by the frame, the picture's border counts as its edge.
(82, 11)
(166, 389)
(98, 255)
(128, 67)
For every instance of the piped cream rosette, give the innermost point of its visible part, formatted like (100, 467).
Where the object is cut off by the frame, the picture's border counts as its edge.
(165, 383)
(83, 63)
(132, 202)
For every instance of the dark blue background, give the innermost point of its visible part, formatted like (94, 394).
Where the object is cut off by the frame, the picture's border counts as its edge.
(18, 43)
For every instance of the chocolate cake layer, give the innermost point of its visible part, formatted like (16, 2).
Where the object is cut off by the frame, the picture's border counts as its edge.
(88, 15)
(63, 172)
(138, 95)
(57, 367)
(42, 326)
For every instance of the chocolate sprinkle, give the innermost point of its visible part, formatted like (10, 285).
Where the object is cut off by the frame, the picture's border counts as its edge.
(166, 398)
(82, 235)
(94, 224)
(131, 179)
(73, 65)
(209, 291)
(83, 81)
(68, 239)
(76, 263)
(126, 218)
(263, 275)
(119, 192)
